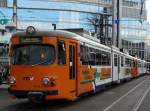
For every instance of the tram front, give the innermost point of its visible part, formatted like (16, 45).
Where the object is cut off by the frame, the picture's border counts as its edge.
(34, 70)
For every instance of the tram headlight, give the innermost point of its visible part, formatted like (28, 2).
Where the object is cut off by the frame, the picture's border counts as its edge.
(12, 80)
(46, 81)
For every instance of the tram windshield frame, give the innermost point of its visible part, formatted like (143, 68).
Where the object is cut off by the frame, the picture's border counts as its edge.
(33, 55)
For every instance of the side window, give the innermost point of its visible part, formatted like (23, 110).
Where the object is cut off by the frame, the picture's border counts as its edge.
(81, 53)
(133, 63)
(122, 61)
(109, 59)
(105, 58)
(61, 52)
(139, 64)
(128, 62)
(145, 65)
(115, 60)
(98, 57)
(84, 56)
(92, 56)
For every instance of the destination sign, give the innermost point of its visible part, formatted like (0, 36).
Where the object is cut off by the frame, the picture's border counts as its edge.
(27, 40)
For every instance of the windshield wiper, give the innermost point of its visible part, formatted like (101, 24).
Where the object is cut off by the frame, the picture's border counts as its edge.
(40, 63)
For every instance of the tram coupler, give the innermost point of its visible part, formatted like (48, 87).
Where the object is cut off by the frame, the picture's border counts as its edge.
(36, 97)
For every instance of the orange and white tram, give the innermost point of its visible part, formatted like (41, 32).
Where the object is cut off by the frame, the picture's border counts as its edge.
(63, 65)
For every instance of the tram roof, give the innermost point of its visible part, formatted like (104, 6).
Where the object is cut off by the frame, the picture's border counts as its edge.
(82, 37)
(67, 34)
(46, 33)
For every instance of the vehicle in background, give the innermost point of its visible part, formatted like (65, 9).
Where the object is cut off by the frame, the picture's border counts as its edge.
(4, 62)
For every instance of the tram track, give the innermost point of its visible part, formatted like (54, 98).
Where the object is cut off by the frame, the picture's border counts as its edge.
(137, 99)
(137, 106)
(134, 97)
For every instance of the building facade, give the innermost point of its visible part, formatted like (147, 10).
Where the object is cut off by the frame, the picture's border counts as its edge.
(133, 27)
(97, 17)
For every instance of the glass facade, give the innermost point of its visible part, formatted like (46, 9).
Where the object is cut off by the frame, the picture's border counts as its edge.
(63, 14)
(82, 14)
(133, 30)
(133, 3)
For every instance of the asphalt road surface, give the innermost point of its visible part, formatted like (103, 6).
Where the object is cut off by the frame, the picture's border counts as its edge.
(131, 96)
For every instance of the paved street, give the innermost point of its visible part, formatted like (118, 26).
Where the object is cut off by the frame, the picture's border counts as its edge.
(130, 96)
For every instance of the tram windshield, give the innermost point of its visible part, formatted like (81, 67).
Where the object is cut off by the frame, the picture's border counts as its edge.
(33, 55)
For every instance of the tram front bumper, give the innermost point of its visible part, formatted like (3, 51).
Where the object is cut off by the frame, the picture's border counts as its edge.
(27, 94)
(36, 96)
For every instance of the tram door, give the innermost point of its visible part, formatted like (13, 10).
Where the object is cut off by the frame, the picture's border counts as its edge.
(72, 68)
(116, 67)
(119, 66)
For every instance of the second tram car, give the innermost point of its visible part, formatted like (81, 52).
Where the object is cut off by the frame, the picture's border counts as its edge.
(64, 65)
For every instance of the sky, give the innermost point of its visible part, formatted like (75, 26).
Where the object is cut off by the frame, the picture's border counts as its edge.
(148, 9)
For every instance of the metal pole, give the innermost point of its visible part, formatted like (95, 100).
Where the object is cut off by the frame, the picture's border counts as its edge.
(118, 24)
(15, 12)
(113, 22)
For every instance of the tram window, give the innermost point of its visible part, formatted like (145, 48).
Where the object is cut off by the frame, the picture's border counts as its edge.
(145, 65)
(23, 55)
(61, 52)
(142, 65)
(33, 55)
(43, 54)
(81, 53)
(84, 55)
(108, 59)
(105, 58)
(139, 64)
(92, 56)
(98, 57)
(128, 62)
(134, 63)
(115, 60)
(122, 61)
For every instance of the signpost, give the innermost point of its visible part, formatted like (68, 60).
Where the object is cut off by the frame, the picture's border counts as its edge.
(3, 21)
